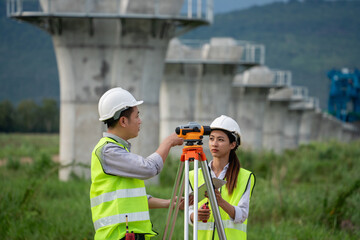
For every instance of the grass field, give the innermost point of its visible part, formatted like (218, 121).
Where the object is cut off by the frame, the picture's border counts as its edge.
(309, 193)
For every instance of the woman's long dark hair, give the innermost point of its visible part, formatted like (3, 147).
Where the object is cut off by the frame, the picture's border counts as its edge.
(232, 173)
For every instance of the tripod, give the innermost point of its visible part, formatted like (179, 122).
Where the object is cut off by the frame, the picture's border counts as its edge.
(192, 151)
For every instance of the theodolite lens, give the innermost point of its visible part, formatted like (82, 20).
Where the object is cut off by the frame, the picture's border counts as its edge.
(207, 130)
(177, 130)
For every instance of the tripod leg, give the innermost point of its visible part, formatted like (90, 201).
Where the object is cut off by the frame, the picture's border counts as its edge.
(169, 219)
(196, 197)
(214, 205)
(186, 212)
(176, 210)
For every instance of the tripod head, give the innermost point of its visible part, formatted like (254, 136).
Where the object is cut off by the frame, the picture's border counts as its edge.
(192, 133)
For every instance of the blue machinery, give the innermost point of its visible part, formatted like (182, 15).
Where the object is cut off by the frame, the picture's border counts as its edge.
(344, 96)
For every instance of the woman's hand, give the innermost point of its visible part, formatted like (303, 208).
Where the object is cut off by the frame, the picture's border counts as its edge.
(219, 198)
(203, 215)
(227, 207)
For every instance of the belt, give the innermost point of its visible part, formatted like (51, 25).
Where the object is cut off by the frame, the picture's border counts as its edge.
(137, 237)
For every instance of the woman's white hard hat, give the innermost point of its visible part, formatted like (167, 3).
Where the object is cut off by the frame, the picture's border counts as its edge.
(114, 101)
(227, 123)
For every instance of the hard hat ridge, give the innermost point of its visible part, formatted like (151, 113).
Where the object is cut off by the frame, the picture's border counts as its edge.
(114, 101)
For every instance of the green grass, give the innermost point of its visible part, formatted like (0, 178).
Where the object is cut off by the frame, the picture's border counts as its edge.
(309, 193)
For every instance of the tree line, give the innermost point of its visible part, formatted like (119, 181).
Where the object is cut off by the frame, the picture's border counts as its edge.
(29, 116)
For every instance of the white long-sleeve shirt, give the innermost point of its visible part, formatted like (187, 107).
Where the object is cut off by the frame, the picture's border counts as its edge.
(117, 161)
(242, 208)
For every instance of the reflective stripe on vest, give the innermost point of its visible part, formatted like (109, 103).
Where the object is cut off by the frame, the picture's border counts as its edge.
(121, 218)
(121, 193)
(227, 224)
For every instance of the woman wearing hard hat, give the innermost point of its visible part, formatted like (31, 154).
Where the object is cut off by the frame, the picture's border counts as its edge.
(233, 198)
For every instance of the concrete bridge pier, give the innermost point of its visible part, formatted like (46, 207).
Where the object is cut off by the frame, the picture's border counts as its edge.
(249, 95)
(291, 128)
(100, 45)
(276, 116)
(294, 124)
(197, 82)
(310, 124)
(178, 88)
(213, 91)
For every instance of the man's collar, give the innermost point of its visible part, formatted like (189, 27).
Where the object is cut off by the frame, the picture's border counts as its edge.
(118, 139)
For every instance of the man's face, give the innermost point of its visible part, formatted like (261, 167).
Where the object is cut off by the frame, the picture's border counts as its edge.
(133, 123)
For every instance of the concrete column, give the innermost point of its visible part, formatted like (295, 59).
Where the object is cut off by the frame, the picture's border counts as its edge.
(84, 65)
(291, 128)
(309, 126)
(248, 108)
(276, 118)
(178, 95)
(213, 92)
(214, 88)
(178, 88)
(297, 126)
(316, 125)
(249, 95)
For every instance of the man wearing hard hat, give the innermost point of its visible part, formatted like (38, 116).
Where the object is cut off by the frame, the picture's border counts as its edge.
(118, 193)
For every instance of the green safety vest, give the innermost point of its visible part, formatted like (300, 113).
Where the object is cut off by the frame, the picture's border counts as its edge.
(114, 197)
(232, 230)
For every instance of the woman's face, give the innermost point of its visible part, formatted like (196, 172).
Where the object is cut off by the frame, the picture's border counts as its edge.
(219, 144)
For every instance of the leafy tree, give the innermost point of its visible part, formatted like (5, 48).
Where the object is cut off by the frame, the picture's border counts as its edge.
(27, 116)
(6, 116)
(49, 112)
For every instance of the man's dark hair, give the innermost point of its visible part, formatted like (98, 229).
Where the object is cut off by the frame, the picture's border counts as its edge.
(125, 113)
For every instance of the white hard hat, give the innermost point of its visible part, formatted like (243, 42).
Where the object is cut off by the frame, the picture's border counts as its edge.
(227, 123)
(114, 100)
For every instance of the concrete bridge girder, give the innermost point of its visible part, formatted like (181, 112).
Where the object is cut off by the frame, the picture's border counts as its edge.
(166, 7)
